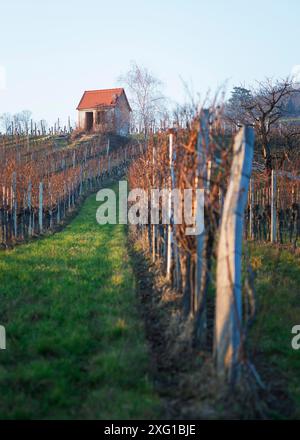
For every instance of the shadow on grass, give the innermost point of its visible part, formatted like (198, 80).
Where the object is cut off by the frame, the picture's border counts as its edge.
(75, 343)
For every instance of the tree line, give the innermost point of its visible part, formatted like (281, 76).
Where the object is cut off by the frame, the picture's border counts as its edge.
(271, 107)
(21, 123)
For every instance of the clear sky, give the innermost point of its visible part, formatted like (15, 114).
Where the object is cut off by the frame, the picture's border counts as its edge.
(51, 51)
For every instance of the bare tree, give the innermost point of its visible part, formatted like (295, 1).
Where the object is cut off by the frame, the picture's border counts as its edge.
(263, 108)
(291, 137)
(285, 139)
(183, 114)
(146, 97)
(6, 122)
(25, 117)
(17, 123)
(42, 126)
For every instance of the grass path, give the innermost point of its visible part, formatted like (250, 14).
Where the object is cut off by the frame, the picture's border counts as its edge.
(75, 343)
(278, 291)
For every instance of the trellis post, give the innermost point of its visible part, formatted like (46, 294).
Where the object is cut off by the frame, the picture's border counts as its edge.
(58, 211)
(29, 208)
(14, 202)
(169, 226)
(74, 158)
(228, 315)
(80, 186)
(41, 207)
(153, 226)
(201, 172)
(251, 206)
(273, 207)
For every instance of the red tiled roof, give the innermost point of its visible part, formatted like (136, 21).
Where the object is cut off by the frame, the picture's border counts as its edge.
(94, 98)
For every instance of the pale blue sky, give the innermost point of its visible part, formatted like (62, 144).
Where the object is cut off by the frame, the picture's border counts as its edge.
(52, 51)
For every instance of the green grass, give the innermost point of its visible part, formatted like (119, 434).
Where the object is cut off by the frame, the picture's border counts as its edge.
(75, 342)
(278, 291)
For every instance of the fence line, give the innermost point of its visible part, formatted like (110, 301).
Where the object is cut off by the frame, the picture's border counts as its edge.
(273, 211)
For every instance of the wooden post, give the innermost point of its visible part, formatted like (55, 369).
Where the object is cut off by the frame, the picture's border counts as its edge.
(33, 221)
(154, 238)
(29, 209)
(14, 202)
(170, 234)
(251, 213)
(228, 317)
(293, 194)
(174, 250)
(202, 152)
(41, 207)
(80, 186)
(221, 201)
(175, 243)
(58, 211)
(273, 207)
(51, 205)
(208, 177)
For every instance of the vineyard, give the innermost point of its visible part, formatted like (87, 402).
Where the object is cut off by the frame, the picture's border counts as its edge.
(211, 275)
(150, 216)
(203, 157)
(41, 182)
(201, 307)
(273, 210)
